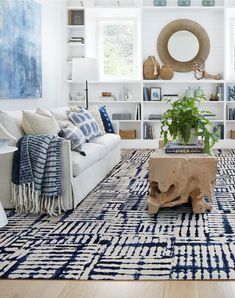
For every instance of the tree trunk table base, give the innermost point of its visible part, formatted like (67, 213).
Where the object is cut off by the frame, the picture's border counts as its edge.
(176, 179)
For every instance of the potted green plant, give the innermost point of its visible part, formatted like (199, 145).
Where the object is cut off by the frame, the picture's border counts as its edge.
(185, 122)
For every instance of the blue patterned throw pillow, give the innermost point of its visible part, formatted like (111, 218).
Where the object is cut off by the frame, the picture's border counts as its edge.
(106, 120)
(86, 122)
(75, 136)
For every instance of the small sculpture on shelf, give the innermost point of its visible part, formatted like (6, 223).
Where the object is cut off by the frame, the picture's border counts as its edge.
(125, 94)
(108, 96)
(214, 97)
(201, 73)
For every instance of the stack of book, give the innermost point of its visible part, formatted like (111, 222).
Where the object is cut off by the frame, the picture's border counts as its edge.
(76, 40)
(231, 114)
(146, 94)
(121, 116)
(155, 116)
(174, 147)
(149, 133)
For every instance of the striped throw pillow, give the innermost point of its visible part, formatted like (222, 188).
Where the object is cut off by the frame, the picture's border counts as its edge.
(75, 136)
(86, 122)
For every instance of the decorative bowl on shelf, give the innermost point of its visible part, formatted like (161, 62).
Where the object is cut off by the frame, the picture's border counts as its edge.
(4, 143)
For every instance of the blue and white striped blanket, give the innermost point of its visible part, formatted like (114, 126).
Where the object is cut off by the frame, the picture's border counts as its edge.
(36, 175)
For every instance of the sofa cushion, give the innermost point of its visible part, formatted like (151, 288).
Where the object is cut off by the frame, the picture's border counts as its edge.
(109, 140)
(11, 125)
(41, 122)
(94, 153)
(86, 122)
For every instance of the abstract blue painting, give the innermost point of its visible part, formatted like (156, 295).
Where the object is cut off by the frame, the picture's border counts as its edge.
(20, 49)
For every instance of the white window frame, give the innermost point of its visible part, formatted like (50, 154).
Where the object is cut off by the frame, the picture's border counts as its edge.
(136, 60)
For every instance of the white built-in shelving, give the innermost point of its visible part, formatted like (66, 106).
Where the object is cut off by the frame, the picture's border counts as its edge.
(153, 19)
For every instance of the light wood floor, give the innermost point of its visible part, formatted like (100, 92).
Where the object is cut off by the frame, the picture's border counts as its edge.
(129, 289)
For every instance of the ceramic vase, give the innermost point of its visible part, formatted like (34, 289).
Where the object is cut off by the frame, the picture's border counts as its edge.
(199, 92)
(184, 2)
(159, 2)
(208, 2)
(166, 72)
(189, 92)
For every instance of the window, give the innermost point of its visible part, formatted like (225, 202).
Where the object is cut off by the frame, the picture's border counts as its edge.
(118, 49)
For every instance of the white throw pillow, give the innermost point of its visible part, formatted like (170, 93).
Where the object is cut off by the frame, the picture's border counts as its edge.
(61, 116)
(11, 125)
(41, 122)
(94, 110)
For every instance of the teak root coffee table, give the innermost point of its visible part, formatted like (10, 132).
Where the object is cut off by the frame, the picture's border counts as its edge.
(177, 178)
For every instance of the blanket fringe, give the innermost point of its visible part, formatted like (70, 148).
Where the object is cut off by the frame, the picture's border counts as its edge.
(27, 200)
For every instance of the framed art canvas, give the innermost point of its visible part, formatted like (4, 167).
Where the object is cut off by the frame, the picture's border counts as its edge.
(20, 49)
(155, 94)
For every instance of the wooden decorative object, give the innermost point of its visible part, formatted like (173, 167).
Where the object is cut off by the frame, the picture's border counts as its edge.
(106, 94)
(175, 179)
(185, 25)
(127, 134)
(166, 72)
(151, 68)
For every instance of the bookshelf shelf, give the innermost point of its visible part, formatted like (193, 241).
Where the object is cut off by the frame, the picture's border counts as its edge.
(76, 26)
(104, 102)
(75, 44)
(189, 8)
(198, 82)
(75, 8)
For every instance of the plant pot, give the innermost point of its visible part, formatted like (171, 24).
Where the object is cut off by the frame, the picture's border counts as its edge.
(166, 72)
(151, 68)
(193, 140)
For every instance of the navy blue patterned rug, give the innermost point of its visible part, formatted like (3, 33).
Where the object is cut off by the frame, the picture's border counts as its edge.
(111, 235)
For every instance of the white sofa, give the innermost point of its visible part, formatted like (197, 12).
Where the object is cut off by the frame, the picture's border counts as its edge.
(81, 174)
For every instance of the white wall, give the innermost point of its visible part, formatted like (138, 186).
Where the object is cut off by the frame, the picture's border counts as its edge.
(212, 22)
(50, 61)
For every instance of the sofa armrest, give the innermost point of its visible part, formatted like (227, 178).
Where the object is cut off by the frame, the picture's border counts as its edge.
(4, 134)
(67, 175)
(116, 127)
